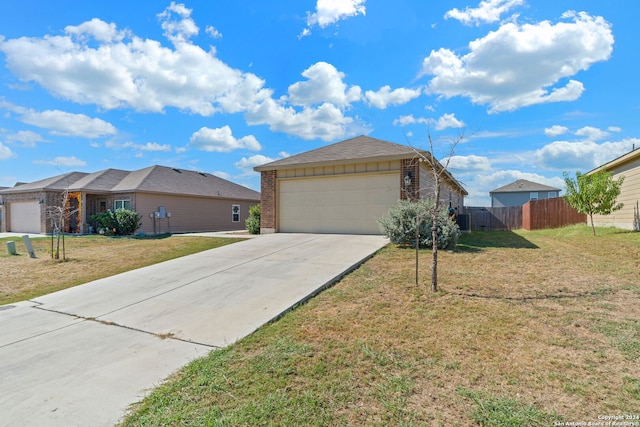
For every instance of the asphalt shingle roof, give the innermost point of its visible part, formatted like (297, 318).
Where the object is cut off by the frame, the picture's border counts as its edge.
(522, 185)
(154, 179)
(358, 148)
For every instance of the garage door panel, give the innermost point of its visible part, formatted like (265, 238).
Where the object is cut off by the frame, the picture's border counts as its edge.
(24, 217)
(345, 204)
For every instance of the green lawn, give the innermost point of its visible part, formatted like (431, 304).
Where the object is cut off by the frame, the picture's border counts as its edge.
(529, 328)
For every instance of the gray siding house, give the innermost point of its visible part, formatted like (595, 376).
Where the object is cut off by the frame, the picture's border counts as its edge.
(520, 192)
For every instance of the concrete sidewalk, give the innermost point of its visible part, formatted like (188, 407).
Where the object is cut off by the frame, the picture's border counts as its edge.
(82, 355)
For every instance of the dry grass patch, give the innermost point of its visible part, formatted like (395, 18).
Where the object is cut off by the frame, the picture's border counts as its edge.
(88, 258)
(529, 328)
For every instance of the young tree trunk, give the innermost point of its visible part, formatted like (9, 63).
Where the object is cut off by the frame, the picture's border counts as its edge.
(593, 228)
(417, 246)
(434, 252)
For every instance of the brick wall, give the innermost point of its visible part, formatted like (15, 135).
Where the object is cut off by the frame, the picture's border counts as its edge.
(268, 201)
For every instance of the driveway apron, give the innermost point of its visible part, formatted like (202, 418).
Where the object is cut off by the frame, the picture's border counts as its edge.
(80, 356)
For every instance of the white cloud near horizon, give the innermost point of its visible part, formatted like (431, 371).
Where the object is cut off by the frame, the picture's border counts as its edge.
(149, 146)
(71, 161)
(26, 138)
(5, 152)
(488, 11)
(581, 155)
(222, 140)
(246, 164)
(522, 65)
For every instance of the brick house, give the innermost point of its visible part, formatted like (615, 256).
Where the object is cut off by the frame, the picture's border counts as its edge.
(345, 187)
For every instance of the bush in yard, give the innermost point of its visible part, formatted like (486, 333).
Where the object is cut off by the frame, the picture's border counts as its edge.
(252, 223)
(128, 221)
(120, 222)
(400, 224)
(107, 222)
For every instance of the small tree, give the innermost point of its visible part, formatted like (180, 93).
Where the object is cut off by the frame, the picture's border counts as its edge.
(439, 175)
(593, 194)
(252, 223)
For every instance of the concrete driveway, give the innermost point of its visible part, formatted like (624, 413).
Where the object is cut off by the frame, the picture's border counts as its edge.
(79, 357)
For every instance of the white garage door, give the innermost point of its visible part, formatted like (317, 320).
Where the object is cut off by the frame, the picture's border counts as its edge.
(344, 204)
(24, 217)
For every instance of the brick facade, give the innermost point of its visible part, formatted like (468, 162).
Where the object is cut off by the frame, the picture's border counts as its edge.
(268, 181)
(411, 167)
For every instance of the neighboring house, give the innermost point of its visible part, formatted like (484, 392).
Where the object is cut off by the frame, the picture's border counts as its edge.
(627, 217)
(520, 192)
(169, 200)
(346, 187)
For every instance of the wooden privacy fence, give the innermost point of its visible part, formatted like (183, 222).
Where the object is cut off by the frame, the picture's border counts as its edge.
(549, 213)
(533, 215)
(480, 218)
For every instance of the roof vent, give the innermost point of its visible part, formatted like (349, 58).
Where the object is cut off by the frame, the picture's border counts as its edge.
(202, 173)
(177, 170)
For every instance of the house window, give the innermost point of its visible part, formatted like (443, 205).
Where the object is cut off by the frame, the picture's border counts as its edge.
(533, 195)
(235, 213)
(122, 204)
(552, 194)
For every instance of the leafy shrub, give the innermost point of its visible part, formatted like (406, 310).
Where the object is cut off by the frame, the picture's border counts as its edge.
(252, 223)
(400, 224)
(128, 221)
(107, 222)
(118, 223)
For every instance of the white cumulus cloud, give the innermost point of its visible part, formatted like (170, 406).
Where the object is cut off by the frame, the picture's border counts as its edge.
(448, 121)
(68, 124)
(592, 133)
(324, 84)
(522, 65)
(488, 11)
(329, 12)
(26, 138)
(96, 63)
(556, 130)
(582, 155)
(469, 164)
(385, 96)
(222, 140)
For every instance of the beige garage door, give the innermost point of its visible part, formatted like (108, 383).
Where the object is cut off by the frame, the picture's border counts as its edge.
(24, 217)
(344, 204)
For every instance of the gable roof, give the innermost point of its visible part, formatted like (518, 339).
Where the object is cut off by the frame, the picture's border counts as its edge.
(101, 181)
(154, 179)
(521, 186)
(625, 158)
(161, 179)
(360, 148)
(355, 150)
(55, 183)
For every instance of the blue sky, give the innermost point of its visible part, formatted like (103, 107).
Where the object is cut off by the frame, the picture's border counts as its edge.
(529, 88)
